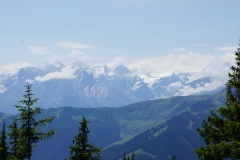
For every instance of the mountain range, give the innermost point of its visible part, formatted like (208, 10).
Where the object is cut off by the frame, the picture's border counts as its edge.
(153, 130)
(78, 85)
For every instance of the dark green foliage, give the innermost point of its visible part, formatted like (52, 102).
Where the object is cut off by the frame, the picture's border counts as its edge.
(14, 137)
(125, 157)
(173, 157)
(3, 144)
(132, 156)
(82, 149)
(221, 129)
(26, 137)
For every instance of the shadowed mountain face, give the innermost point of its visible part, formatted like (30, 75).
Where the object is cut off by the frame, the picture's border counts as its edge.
(77, 85)
(155, 129)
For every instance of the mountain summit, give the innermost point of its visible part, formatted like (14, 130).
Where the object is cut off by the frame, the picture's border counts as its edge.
(78, 85)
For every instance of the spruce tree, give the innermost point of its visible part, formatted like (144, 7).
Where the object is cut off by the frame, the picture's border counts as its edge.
(133, 156)
(173, 157)
(125, 157)
(3, 144)
(221, 129)
(82, 149)
(14, 136)
(26, 137)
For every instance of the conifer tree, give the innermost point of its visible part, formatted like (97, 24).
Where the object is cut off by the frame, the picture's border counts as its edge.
(3, 144)
(221, 130)
(132, 156)
(82, 149)
(173, 157)
(14, 136)
(26, 137)
(125, 157)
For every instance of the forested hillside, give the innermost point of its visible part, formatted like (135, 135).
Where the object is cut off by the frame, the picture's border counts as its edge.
(152, 129)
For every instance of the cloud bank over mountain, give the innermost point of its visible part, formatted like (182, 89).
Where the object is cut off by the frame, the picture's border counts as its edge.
(199, 65)
(64, 73)
(116, 83)
(12, 68)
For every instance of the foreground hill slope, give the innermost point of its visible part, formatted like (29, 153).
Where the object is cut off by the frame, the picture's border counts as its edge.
(153, 129)
(176, 136)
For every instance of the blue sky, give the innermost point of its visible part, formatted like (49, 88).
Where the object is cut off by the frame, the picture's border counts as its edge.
(39, 31)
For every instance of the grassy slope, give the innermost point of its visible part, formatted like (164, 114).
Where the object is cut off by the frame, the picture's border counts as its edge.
(176, 136)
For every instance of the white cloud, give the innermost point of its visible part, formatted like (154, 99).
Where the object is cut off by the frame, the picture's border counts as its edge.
(75, 53)
(144, 66)
(198, 65)
(228, 57)
(217, 68)
(11, 68)
(116, 62)
(174, 86)
(74, 45)
(65, 73)
(178, 49)
(213, 66)
(73, 56)
(38, 50)
(188, 90)
(190, 62)
(228, 48)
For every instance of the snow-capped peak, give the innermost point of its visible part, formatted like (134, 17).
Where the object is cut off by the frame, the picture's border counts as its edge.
(121, 70)
(49, 67)
(99, 70)
(80, 65)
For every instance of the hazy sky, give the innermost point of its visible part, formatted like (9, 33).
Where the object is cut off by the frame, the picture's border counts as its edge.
(39, 31)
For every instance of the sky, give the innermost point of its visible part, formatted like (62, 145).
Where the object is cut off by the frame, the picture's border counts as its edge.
(183, 35)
